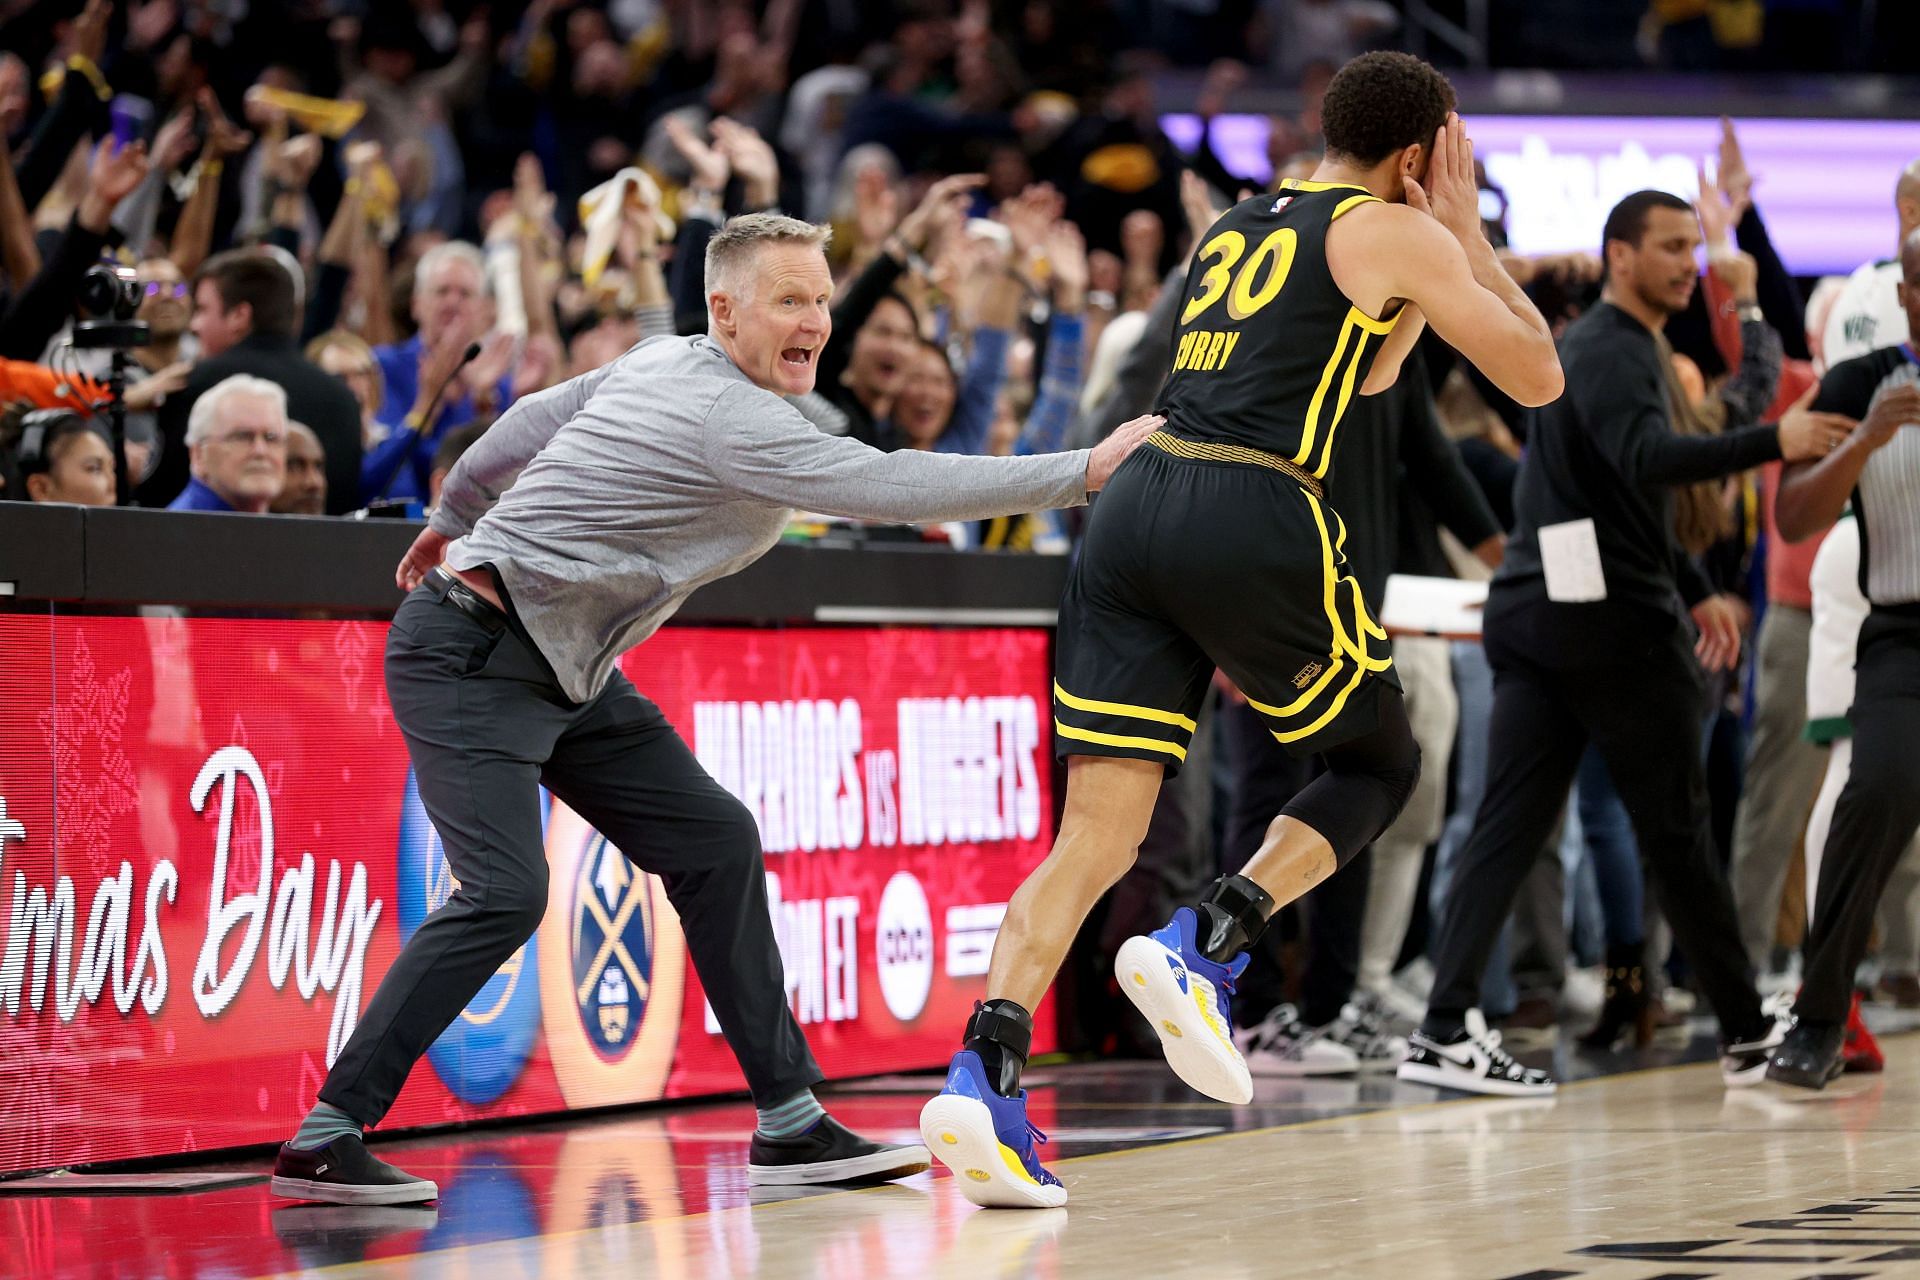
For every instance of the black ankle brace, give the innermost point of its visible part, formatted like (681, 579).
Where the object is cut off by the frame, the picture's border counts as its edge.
(1233, 915)
(1001, 1032)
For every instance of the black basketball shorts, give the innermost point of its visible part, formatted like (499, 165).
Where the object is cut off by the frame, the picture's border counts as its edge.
(1199, 557)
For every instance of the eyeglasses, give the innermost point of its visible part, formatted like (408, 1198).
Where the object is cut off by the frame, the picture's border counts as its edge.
(157, 289)
(247, 439)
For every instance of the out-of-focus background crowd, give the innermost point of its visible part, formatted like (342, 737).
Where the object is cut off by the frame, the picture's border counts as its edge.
(322, 244)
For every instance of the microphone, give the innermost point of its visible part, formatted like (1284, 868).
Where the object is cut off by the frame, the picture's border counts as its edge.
(467, 357)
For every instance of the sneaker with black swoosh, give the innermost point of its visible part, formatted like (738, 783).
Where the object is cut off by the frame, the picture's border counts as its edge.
(1471, 1061)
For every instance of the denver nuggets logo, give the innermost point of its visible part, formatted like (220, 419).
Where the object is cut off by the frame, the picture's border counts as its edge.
(612, 946)
(612, 1012)
(483, 1052)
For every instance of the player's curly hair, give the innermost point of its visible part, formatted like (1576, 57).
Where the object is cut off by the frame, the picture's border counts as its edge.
(1381, 102)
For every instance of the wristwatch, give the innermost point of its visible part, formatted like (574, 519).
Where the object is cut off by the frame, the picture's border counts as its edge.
(1750, 311)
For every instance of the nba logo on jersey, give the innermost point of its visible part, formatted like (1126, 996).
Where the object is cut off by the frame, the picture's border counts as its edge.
(1280, 204)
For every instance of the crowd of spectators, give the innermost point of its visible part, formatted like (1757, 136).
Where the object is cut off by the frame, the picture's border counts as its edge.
(359, 233)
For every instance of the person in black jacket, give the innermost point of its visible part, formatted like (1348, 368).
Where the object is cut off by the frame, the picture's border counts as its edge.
(245, 315)
(1586, 630)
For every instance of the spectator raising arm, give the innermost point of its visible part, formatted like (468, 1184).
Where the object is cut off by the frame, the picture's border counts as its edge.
(193, 234)
(1780, 301)
(79, 110)
(1059, 394)
(39, 310)
(19, 259)
(938, 213)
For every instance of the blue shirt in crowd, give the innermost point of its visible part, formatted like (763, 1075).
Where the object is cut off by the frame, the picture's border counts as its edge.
(398, 467)
(197, 497)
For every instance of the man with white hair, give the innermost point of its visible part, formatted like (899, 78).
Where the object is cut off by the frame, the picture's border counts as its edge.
(450, 307)
(570, 532)
(236, 447)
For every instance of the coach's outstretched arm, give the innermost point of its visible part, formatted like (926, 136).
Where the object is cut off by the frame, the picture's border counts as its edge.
(1432, 253)
(762, 448)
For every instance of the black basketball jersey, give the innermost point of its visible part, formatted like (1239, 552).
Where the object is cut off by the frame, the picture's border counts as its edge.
(1268, 353)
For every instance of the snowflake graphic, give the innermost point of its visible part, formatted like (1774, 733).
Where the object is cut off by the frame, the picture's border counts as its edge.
(94, 779)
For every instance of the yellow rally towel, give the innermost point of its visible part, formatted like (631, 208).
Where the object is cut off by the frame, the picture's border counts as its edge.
(602, 209)
(330, 117)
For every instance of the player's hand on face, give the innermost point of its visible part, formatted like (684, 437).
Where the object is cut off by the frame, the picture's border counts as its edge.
(1450, 194)
(1105, 458)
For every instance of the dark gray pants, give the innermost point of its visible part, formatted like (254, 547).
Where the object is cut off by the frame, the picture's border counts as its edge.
(486, 725)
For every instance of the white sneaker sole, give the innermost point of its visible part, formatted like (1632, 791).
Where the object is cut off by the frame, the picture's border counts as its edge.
(892, 1162)
(1471, 1082)
(417, 1192)
(1194, 1050)
(959, 1133)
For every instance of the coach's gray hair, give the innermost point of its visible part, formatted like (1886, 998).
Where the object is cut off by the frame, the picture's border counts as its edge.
(205, 413)
(731, 252)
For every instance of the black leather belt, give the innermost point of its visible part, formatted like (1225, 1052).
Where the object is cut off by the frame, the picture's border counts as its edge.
(464, 598)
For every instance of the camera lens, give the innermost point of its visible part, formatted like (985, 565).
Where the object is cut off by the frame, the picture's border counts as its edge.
(108, 292)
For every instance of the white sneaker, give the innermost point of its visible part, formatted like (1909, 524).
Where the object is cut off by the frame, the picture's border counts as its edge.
(1743, 1064)
(1472, 1061)
(1362, 1028)
(1282, 1045)
(1185, 998)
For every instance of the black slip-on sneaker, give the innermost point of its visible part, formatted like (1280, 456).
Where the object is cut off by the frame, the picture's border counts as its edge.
(829, 1152)
(345, 1172)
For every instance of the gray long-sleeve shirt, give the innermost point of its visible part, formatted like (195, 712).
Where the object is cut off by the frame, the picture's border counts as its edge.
(604, 502)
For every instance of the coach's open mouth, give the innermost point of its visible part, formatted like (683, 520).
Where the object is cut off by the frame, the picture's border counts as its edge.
(799, 357)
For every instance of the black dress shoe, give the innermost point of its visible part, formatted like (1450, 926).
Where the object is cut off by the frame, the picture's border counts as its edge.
(829, 1152)
(345, 1172)
(1810, 1055)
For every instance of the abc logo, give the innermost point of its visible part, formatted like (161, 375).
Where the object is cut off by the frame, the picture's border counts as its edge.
(903, 939)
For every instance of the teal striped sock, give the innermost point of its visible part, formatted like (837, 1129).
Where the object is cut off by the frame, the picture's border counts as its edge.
(323, 1124)
(791, 1118)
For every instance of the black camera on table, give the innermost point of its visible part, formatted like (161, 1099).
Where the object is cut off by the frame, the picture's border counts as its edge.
(110, 296)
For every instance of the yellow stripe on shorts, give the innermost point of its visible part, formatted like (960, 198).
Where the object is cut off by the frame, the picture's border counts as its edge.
(1118, 740)
(1123, 709)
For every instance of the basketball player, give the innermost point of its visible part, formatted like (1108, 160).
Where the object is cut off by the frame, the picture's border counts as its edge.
(1214, 547)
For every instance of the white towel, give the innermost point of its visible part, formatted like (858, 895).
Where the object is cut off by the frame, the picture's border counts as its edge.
(602, 209)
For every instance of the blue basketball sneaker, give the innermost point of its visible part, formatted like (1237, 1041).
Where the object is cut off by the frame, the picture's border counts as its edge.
(1184, 996)
(987, 1141)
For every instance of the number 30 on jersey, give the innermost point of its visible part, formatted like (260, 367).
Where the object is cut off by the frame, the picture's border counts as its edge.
(1256, 283)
